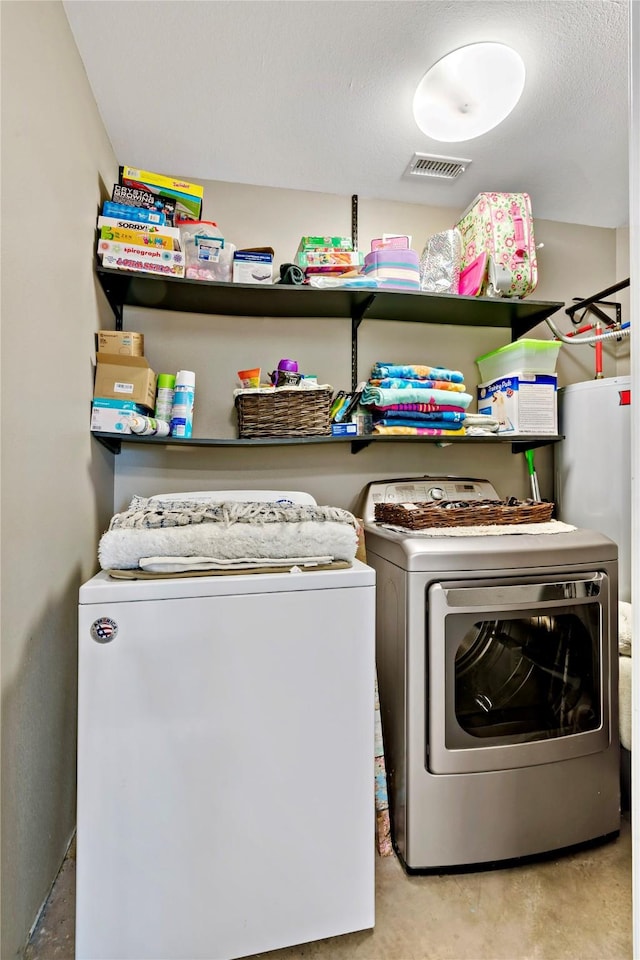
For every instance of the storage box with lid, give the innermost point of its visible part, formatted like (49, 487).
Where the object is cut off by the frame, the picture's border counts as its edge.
(532, 356)
(208, 256)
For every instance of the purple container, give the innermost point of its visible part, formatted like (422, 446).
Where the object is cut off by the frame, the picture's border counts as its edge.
(290, 366)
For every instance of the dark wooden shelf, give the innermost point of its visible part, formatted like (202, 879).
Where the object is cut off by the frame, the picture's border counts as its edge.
(130, 289)
(114, 441)
(127, 288)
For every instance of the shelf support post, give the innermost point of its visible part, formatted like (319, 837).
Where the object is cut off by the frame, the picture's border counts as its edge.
(113, 294)
(113, 446)
(357, 313)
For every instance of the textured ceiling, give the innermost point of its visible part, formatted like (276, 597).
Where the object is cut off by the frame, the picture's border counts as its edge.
(317, 95)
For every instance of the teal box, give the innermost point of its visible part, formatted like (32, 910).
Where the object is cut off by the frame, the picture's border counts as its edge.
(112, 416)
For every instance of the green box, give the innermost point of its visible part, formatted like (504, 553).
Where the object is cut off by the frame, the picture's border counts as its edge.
(324, 243)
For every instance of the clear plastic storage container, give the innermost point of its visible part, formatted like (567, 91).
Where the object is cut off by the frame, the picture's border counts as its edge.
(532, 356)
(208, 256)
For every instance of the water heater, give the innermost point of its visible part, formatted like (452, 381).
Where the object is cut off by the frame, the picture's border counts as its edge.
(593, 463)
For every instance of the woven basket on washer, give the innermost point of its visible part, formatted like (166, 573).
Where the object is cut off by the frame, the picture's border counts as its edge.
(418, 516)
(284, 412)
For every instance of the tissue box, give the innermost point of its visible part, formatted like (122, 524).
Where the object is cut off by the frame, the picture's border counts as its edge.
(523, 403)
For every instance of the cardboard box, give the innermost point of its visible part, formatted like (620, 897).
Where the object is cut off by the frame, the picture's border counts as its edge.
(124, 256)
(140, 227)
(344, 429)
(334, 261)
(125, 378)
(139, 237)
(523, 403)
(112, 416)
(249, 267)
(139, 214)
(160, 180)
(324, 243)
(125, 343)
(186, 196)
(137, 196)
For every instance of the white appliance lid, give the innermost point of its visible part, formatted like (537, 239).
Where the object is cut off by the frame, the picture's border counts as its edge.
(500, 554)
(105, 589)
(243, 496)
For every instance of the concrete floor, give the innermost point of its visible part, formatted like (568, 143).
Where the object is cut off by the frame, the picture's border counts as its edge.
(575, 907)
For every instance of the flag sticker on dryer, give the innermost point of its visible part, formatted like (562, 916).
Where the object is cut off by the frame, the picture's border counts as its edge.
(104, 630)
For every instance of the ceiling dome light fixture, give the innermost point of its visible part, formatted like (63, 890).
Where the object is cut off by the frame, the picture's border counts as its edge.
(469, 91)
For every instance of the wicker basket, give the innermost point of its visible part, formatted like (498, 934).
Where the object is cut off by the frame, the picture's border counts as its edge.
(284, 412)
(418, 516)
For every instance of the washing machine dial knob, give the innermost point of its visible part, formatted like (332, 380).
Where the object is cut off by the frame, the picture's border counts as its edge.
(437, 493)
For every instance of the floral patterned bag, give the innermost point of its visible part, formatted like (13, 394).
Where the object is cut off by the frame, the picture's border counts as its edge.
(501, 225)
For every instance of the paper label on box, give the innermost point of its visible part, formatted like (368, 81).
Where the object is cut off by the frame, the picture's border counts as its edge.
(209, 249)
(122, 387)
(522, 403)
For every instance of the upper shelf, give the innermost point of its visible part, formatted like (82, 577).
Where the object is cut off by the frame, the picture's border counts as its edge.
(124, 288)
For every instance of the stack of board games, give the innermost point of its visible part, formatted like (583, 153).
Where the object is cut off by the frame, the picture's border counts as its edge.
(179, 199)
(327, 255)
(139, 227)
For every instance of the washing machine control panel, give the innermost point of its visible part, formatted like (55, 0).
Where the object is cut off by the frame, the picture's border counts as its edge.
(426, 490)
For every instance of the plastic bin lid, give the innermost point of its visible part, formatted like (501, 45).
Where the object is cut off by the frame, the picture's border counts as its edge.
(528, 344)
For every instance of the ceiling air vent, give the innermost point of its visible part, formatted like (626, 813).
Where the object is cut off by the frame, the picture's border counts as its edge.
(431, 165)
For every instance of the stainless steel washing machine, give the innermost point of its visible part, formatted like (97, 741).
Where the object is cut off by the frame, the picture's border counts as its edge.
(497, 673)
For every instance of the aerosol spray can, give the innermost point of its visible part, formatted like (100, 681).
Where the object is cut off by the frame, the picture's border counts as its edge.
(148, 426)
(183, 398)
(164, 397)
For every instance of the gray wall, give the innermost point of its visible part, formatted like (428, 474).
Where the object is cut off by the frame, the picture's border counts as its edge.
(575, 261)
(56, 483)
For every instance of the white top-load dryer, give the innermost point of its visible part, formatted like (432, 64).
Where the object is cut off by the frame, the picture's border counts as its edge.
(497, 672)
(225, 763)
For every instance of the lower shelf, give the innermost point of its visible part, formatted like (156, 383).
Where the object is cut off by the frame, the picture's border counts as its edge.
(114, 441)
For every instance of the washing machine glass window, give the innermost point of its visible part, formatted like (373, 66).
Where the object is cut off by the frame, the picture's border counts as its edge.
(513, 667)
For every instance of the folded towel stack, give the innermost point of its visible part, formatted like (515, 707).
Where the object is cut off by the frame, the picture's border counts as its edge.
(416, 399)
